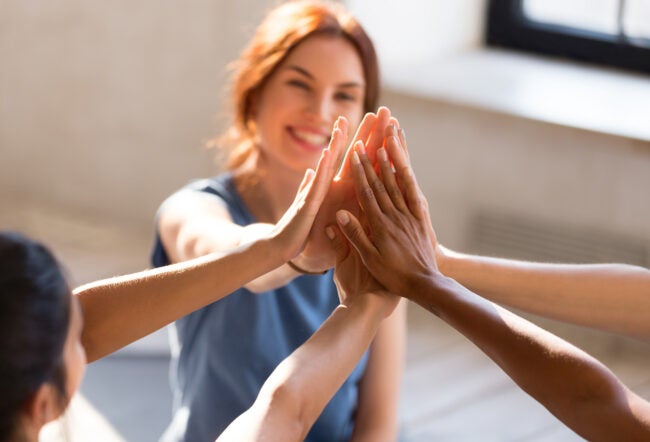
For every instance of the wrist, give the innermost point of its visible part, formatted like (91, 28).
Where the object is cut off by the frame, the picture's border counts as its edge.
(304, 265)
(378, 303)
(303, 271)
(427, 291)
(268, 249)
(417, 285)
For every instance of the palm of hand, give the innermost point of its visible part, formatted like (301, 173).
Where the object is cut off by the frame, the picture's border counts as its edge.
(318, 249)
(318, 252)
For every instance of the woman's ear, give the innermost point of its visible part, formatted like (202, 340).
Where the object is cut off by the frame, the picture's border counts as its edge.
(44, 407)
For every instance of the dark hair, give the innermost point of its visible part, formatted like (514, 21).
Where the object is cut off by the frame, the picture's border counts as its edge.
(284, 28)
(34, 319)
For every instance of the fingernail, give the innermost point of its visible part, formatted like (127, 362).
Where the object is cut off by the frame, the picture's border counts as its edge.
(355, 158)
(359, 145)
(342, 217)
(381, 153)
(329, 232)
(403, 132)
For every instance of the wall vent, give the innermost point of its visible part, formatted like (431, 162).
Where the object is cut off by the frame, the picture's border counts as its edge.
(502, 234)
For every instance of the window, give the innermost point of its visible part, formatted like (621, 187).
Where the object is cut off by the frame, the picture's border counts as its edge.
(610, 32)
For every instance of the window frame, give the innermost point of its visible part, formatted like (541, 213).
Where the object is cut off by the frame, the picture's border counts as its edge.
(507, 27)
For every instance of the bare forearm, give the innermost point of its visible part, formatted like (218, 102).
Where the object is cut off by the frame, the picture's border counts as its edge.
(611, 297)
(199, 239)
(121, 310)
(575, 387)
(296, 392)
(376, 416)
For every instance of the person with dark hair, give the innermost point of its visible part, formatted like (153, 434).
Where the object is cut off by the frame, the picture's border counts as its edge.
(40, 365)
(394, 238)
(308, 63)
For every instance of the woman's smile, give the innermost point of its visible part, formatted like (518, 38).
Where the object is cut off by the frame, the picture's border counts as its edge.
(309, 139)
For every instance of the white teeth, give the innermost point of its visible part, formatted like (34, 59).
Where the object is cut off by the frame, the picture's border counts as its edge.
(311, 138)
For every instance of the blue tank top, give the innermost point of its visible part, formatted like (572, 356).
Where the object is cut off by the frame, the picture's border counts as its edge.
(223, 353)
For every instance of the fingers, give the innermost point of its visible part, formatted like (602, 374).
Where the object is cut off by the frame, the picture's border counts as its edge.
(306, 180)
(399, 132)
(338, 141)
(327, 163)
(339, 244)
(392, 121)
(363, 132)
(390, 183)
(351, 228)
(319, 182)
(402, 140)
(365, 127)
(405, 175)
(365, 194)
(376, 138)
(376, 186)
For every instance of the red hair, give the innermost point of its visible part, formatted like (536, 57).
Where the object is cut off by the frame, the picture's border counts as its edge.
(284, 28)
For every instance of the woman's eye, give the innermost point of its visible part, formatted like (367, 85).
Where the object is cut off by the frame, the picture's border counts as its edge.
(298, 84)
(344, 96)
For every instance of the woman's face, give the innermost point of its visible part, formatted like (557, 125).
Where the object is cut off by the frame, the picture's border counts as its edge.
(321, 79)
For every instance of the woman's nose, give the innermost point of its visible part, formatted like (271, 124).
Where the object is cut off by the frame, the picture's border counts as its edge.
(322, 109)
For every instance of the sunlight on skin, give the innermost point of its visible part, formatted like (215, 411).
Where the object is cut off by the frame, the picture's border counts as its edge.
(371, 133)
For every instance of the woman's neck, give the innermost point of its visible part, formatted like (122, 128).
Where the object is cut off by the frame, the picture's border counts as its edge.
(267, 191)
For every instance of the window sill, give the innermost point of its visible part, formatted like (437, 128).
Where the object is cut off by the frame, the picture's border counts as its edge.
(553, 91)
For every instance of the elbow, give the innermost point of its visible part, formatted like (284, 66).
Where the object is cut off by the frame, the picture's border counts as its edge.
(190, 248)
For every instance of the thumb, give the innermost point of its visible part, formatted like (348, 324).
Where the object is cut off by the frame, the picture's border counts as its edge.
(339, 243)
(307, 180)
(353, 231)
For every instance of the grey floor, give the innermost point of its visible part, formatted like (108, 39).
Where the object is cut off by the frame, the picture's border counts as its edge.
(450, 391)
(132, 393)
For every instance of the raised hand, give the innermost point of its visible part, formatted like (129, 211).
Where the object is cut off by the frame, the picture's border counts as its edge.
(318, 253)
(353, 281)
(350, 275)
(399, 248)
(292, 230)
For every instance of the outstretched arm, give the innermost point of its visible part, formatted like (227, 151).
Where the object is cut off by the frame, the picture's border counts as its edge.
(298, 389)
(610, 297)
(120, 310)
(193, 224)
(572, 385)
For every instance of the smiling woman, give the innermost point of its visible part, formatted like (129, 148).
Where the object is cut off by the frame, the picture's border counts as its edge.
(319, 80)
(308, 63)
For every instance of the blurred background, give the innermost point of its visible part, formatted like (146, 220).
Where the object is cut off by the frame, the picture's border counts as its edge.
(105, 108)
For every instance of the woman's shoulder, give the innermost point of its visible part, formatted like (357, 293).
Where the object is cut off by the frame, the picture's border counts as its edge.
(221, 184)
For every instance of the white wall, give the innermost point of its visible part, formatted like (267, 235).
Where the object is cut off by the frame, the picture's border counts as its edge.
(407, 30)
(470, 160)
(104, 106)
